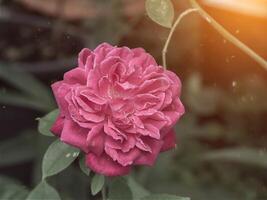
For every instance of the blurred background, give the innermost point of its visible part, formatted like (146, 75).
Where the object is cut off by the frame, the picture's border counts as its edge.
(222, 138)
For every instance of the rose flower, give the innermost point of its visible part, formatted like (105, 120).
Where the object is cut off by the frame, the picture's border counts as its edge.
(119, 107)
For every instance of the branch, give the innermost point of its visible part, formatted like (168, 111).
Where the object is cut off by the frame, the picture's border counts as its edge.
(227, 35)
(179, 19)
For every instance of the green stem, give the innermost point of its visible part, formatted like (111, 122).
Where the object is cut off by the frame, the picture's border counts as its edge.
(227, 35)
(103, 192)
(176, 23)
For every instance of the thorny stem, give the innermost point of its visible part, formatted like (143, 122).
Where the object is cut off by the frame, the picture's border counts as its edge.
(227, 35)
(176, 23)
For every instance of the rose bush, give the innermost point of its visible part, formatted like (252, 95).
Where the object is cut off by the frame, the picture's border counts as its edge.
(118, 106)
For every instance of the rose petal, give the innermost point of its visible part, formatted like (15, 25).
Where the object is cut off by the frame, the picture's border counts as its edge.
(95, 139)
(123, 87)
(123, 52)
(74, 135)
(106, 64)
(174, 116)
(105, 165)
(114, 133)
(122, 158)
(103, 48)
(92, 78)
(125, 146)
(147, 158)
(154, 85)
(143, 60)
(60, 90)
(141, 145)
(149, 130)
(100, 53)
(91, 96)
(147, 112)
(176, 83)
(83, 56)
(58, 126)
(103, 85)
(137, 122)
(169, 141)
(92, 117)
(74, 76)
(159, 124)
(138, 51)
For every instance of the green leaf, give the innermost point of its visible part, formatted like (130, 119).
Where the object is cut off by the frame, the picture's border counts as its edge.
(72, 184)
(17, 99)
(202, 100)
(46, 122)
(43, 191)
(138, 191)
(58, 157)
(83, 167)
(97, 184)
(161, 12)
(26, 83)
(241, 155)
(164, 197)
(11, 189)
(119, 190)
(18, 149)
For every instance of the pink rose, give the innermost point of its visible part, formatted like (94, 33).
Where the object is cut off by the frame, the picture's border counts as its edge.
(118, 106)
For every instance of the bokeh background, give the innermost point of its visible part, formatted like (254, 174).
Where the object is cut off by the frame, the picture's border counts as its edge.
(222, 138)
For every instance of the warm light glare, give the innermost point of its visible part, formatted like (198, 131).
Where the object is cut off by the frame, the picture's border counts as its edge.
(251, 7)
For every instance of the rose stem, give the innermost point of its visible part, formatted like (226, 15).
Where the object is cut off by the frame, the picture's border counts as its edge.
(227, 35)
(178, 20)
(103, 192)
